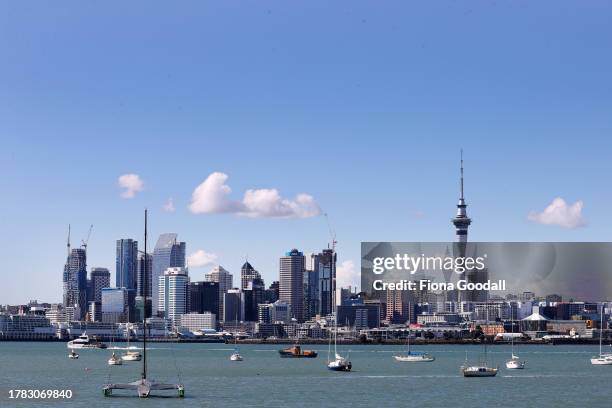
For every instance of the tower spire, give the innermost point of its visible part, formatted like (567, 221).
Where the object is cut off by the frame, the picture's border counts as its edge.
(461, 174)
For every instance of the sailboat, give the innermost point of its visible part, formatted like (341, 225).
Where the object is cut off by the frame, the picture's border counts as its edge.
(144, 385)
(115, 360)
(515, 362)
(236, 355)
(482, 369)
(73, 355)
(412, 356)
(339, 363)
(130, 355)
(603, 358)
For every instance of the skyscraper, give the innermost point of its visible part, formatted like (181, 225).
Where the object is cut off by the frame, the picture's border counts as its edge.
(204, 297)
(311, 286)
(126, 264)
(75, 281)
(144, 267)
(320, 284)
(168, 253)
(173, 286)
(291, 283)
(225, 280)
(247, 274)
(233, 305)
(100, 278)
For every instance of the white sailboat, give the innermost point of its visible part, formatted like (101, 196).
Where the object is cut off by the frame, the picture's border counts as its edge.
(482, 369)
(603, 358)
(236, 354)
(413, 356)
(115, 360)
(515, 362)
(130, 355)
(73, 355)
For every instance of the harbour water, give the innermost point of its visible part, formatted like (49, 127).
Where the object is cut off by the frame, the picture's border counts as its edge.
(555, 376)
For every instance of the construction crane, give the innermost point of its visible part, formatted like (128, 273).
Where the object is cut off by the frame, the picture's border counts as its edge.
(332, 233)
(86, 241)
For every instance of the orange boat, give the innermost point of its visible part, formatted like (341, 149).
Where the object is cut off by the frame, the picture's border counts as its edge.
(297, 352)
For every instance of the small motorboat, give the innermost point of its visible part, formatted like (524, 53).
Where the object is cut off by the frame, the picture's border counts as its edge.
(115, 360)
(73, 355)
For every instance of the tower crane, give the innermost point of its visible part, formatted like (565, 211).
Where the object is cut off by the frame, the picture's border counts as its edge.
(86, 241)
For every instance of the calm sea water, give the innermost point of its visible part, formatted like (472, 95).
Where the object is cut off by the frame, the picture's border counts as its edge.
(556, 376)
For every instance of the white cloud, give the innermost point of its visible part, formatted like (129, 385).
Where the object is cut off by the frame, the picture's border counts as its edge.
(200, 258)
(132, 183)
(212, 197)
(559, 213)
(169, 205)
(347, 275)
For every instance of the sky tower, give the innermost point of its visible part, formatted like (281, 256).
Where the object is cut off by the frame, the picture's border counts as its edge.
(461, 220)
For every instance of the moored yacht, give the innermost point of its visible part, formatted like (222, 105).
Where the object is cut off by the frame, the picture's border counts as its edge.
(73, 355)
(515, 363)
(340, 364)
(84, 341)
(413, 357)
(603, 358)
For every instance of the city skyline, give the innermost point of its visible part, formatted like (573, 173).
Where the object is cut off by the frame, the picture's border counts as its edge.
(297, 126)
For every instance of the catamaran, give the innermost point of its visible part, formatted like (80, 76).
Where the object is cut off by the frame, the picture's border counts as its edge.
(413, 356)
(603, 358)
(144, 385)
(515, 362)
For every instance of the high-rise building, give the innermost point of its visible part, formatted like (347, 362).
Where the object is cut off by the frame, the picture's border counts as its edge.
(115, 305)
(247, 274)
(145, 266)
(100, 278)
(233, 305)
(225, 280)
(291, 283)
(254, 295)
(327, 282)
(75, 282)
(204, 297)
(173, 286)
(271, 294)
(311, 286)
(168, 253)
(277, 312)
(126, 275)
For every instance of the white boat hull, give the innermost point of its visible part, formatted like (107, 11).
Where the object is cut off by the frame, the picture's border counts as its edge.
(236, 357)
(479, 372)
(604, 360)
(515, 365)
(131, 357)
(414, 359)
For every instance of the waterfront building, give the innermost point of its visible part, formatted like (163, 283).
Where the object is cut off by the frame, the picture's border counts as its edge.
(25, 327)
(204, 297)
(56, 313)
(173, 286)
(198, 321)
(359, 315)
(75, 281)
(225, 280)
(168, 253)
(291, 283)
(99, 278)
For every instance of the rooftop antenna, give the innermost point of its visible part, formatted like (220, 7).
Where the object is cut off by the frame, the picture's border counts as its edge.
(68, 242)
(462, 174)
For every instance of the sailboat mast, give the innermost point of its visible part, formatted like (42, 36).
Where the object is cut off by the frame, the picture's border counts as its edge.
(601, 330)
(144, 315)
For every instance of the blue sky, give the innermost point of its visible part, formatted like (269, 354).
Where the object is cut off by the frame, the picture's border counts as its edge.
(362, 105)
